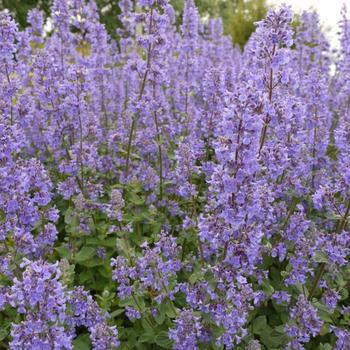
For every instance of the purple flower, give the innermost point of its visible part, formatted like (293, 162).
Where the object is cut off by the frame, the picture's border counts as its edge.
(330, 298)
(132, 314)
(281, 297)
(305, 323)
(41, 297)
(343, 339)
(187, 332)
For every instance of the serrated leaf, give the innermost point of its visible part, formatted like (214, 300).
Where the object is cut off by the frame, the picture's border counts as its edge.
(147, 337)
(324, 313)
(260, 325)
(169, 308)
(70, 218)
(321, 257)
(324, 329)
(63, 252)
(93, 262)
(162, 339)
(267, 288)
(160, 316)
(273, 340)
(195, 276)
(84, 254)
(3, 334)
(82, 342)
(116, 313)
(86, 275)
(344, 294)
(126, 302)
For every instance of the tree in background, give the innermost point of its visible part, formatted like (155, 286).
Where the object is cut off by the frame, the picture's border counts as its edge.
(238, 15)
(109, 11)
(20, 8)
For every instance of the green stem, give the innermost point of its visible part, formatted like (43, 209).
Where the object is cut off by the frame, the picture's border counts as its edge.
(10, 84)
(141, 312)
(81, 145)
(186, 96)
(160, 153)
(133, 124)
(343, 221)
(262, 138)
(224, 252)
(103, 105)
(3, 345)
(232, 197)
(142, 89)
(290, 213)
(195, 216)
(314, 152)
(167, 292)
(266, 122)
(322, 268)
(317, 279)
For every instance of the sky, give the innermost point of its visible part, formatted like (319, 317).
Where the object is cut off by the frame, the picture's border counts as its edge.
(329, 11)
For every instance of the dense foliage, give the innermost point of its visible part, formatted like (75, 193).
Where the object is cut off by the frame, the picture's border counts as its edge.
(170, 191)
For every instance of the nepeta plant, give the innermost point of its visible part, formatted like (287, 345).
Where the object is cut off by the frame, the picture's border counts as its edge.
(167, 190)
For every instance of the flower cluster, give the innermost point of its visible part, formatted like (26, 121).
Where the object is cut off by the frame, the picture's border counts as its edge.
(52, 313)
(153, 273)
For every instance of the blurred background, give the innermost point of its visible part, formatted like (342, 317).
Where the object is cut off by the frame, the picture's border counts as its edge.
(238, 15)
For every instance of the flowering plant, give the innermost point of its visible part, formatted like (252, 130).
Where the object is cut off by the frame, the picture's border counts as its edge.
(168, 190)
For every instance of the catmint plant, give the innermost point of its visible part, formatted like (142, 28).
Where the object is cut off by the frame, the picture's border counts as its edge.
(168, 190)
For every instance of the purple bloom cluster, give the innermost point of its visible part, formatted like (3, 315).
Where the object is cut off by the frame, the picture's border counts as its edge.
(25, 195)
(306, 323)
(52, 313)
(188, 331)
(41, 298)
(87, 313)
(154, 271)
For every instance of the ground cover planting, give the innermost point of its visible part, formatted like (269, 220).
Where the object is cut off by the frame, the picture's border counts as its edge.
(168, 190)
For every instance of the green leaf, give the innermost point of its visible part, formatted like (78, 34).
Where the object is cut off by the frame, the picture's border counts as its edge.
(105, 242)
(116, 313)
(260, 325)
(160, 316)
(86, 275)
(93, 262)
(84, 254)
(162, 339)
(340, 280)
(70, 218)
(324, 329)
(324, 313)
(147, 337)
(321, 257)
(126, 302)
(195, 276)
(344, 294)
(82, 342)
(169, 308)
(131, 337)
(3, 334)
(267, 288)
(64, 252)
(273, 340)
